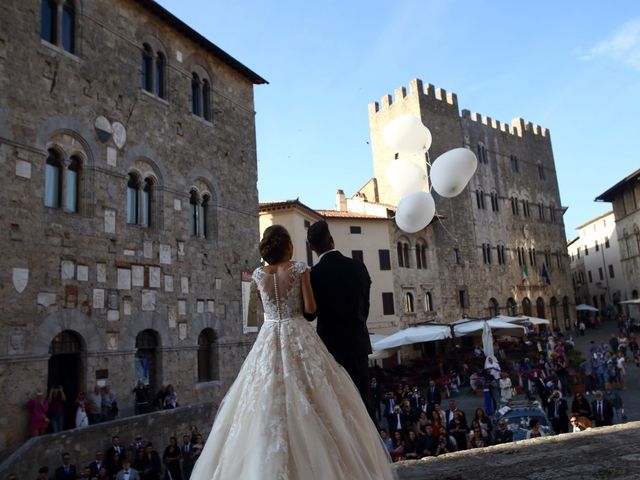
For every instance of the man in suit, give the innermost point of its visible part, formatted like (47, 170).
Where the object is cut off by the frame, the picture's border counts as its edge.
(127, 473)
(341, 288)
(113, 449)
(97, 464)
(557, 412)
(66, 471)
(433, 396)
(187, 462)
(602, 410)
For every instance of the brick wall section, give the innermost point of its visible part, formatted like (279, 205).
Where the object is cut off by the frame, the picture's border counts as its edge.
(82, 443)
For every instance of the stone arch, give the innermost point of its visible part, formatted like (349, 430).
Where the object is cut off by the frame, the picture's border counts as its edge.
(63, 320)
(142, 153)
(75, 128)
(146, 321)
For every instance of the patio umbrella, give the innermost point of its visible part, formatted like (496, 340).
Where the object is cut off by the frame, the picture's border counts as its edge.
(487, 340)
(497, 328)
(635, 301)
(586, 308)
(529, 319)
(422, 333)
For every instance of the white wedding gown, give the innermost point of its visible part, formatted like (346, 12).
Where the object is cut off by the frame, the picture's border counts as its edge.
(293, 413)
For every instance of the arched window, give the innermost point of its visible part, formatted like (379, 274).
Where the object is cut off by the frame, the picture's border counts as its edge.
(198, 214)
(421, 256)
(146, 79)
(208, 364)
(512, 307)
(428, 302)
(493, 307)
(53, 180)
(400, 255)
(133, 184)
(405, 254)
(196, 90)
(526, 307)
(58, 24)
(71, 185)
(482, 153)
(408, 303)
(206, 99)
(158, 83)
(540, 308)
(153, 71)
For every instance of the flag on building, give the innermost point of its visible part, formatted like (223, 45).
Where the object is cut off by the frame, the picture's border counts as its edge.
(545, 275)
(525, 273)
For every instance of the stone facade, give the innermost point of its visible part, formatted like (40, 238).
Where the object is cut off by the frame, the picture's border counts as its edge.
(509, 216)
(115, 280)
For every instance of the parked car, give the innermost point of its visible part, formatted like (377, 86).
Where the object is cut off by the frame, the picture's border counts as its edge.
(518, 416)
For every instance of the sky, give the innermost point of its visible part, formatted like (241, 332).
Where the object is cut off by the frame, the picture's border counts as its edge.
(571, 66)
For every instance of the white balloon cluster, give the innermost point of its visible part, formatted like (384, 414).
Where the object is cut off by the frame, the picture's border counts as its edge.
(450, 172)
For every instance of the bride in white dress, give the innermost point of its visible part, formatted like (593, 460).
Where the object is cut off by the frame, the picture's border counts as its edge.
(293, 412)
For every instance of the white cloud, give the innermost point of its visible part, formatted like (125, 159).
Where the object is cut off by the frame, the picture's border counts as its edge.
(623, 46)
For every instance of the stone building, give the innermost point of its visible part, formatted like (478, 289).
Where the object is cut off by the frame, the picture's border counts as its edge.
(596, 270)
(625, 197)
(129, 204)
(497, 248)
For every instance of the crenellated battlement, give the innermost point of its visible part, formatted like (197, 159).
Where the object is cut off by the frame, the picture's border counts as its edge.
(416, 87)
(518, 126)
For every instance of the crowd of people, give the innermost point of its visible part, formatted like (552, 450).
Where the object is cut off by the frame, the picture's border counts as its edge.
(47, 413)
(137, 461)
(414, 422)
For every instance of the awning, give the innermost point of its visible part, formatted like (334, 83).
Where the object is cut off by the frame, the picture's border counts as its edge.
(422, 333)
(583, 307)
(498, 327)
(635, 301)
(528, 319)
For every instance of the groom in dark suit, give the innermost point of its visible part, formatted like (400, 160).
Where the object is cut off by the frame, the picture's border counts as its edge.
(341, 288)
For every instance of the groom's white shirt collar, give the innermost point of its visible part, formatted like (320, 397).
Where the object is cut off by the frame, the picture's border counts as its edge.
(328, 251)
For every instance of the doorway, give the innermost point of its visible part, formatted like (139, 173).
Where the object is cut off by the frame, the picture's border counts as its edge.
(66, 370)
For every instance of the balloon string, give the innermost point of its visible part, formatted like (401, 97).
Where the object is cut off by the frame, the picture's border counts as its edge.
(428, 161)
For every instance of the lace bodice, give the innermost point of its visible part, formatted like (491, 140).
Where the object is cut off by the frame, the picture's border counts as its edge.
(280, 292)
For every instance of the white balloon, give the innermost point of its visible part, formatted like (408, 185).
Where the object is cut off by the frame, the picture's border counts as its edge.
(415, 211)
(407, 134)
(452, 170)
(406, 176)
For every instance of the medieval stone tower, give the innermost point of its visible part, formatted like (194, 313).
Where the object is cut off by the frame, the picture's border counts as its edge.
(497, 248)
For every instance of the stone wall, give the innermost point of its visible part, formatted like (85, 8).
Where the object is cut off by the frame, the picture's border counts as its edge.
(82, 443)
(92, 274)
(601, 453)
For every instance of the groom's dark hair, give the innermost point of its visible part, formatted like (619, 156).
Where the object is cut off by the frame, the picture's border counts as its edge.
(318, 234)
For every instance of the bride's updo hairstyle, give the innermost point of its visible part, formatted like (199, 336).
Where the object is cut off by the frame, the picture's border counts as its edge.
(274, 244)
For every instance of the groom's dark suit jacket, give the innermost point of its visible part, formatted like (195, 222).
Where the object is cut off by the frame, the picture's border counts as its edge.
(341, 289)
